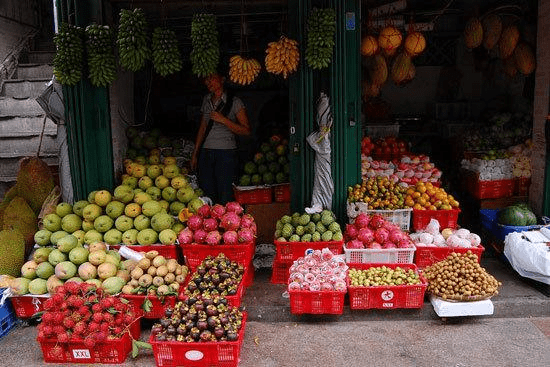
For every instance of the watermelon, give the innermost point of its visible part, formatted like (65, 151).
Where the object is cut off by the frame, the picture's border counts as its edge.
(517, 215)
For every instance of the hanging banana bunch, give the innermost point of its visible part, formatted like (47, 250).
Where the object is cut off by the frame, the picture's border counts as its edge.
(132, 39)
(282, 57)
(205, 55)
(166, 55)
(101, 59)
(243, 71)
(321, 27)
(68, 60)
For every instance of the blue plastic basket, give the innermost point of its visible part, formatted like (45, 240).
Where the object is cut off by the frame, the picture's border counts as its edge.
(7, 317)
(489, 221)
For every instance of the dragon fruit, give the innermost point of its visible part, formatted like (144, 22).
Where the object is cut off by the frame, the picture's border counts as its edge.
(204, 211)
(230, 221)
(354, 244)
(217, 211)
(230, 238)
(185, 236)
(213, 238)
(365, 235)
(194, 222)
(381, 235)
(254, 228)
(234, 207)
(362, 221)
(210, 224)
(200, 235)
(375, 245)
(246, 221)
(351, 232)
(376, 221)
(396, 235)
(246, 235)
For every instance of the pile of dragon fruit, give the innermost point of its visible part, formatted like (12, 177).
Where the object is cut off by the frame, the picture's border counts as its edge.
(375, 232)
(319, 270)
(219, 225)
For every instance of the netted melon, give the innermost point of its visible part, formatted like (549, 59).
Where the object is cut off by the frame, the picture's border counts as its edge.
(369, 45)
(473, 33)
(415, 43)
(401, 68)
(377, 69)
(492, 28)
(524, 58)
(390, 38)
(508, 41)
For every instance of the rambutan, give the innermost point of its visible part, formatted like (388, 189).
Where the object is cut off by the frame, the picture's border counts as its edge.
(97, 317)
(96, 308)
(93, 327)
(68, 323)
(63, 338)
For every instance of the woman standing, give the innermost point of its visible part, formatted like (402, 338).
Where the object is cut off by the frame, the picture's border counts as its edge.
(215, 154)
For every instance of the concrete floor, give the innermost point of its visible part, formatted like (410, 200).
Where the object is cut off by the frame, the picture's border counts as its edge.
(516, 335)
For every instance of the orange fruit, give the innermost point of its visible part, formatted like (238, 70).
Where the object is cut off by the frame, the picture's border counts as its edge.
(418, 207)
(416, 194)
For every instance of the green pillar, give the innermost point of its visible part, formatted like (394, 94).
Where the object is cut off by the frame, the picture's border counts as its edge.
(87, 115)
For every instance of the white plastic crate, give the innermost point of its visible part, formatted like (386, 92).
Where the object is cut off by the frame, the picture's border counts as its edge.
(401, 217)
(386, 256)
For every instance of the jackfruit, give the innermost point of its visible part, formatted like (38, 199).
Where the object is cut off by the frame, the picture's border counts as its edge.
(34, 181)
(12, 248)
(19, 216)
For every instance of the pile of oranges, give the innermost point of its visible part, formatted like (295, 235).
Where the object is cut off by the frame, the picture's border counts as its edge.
(425, 196)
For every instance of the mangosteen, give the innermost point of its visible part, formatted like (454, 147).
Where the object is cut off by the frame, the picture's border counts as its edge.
(232, 335)
(206, 335)
(168, 312)
(216, 279)
(170, 330)
(180, 338)
(213, 271)
(199, 305)
(189, 324)
(224, 320)
(215, 292)
(202, 324)
(223, 301)
(207, 278)
(180, 330)
(202, 315)
(189, 339)
(212, 321)
(183, 309)
(175, 322)
(207, 300)
(156, 328)
(211, 310)
(219, 332)
(191, 300)
(195, 333)
(224, 275)
(191, 286)
(161, 337)
(170, 338)
(232, 290)
(201, 269)
(164, 322)
(203, 286)
(192, 314)
(222, 286)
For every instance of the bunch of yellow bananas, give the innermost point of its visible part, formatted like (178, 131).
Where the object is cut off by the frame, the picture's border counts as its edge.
(282, 57)
(243, 71)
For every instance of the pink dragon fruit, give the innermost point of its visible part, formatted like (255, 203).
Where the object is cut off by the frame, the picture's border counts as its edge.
(200, 235)
(375, 245)
(362, 221)
(217, 211)
(194, 222)
(376, 221)
(246, 221)
(254, 228)
(234, 207)
(350, 232)
(213, 238)
(396, 235)
(204, 211)
(230, 238)
(246, 235)
(354, 244)
(210, 224)
(230, 221)
(404, 243)
(389, 244)
(185, 236)
(365, 235)
(381, 235)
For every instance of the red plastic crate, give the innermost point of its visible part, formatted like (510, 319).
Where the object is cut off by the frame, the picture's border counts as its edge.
(290, 251)
(281, 193)
(248, 278)
(27, 305)
(158, 305)
(168, 251)
(490, 189)
(234, 300)
(446, 218)
(195, 253)
(112, 351)
(316, 303)
(280, 274)
(427, 255)
(201, 354)
(386, 297)
(261, 195)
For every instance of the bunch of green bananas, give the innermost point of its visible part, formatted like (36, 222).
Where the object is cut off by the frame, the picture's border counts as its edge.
(321, 27)
(132, 39)
(67, 63)
(205, 55)
(166, 56)
(101, 59)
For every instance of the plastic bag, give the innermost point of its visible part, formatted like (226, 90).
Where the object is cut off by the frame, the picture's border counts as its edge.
(530, 260)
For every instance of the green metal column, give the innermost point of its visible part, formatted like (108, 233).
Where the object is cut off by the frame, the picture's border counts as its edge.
(342, 84)
(87, 115)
